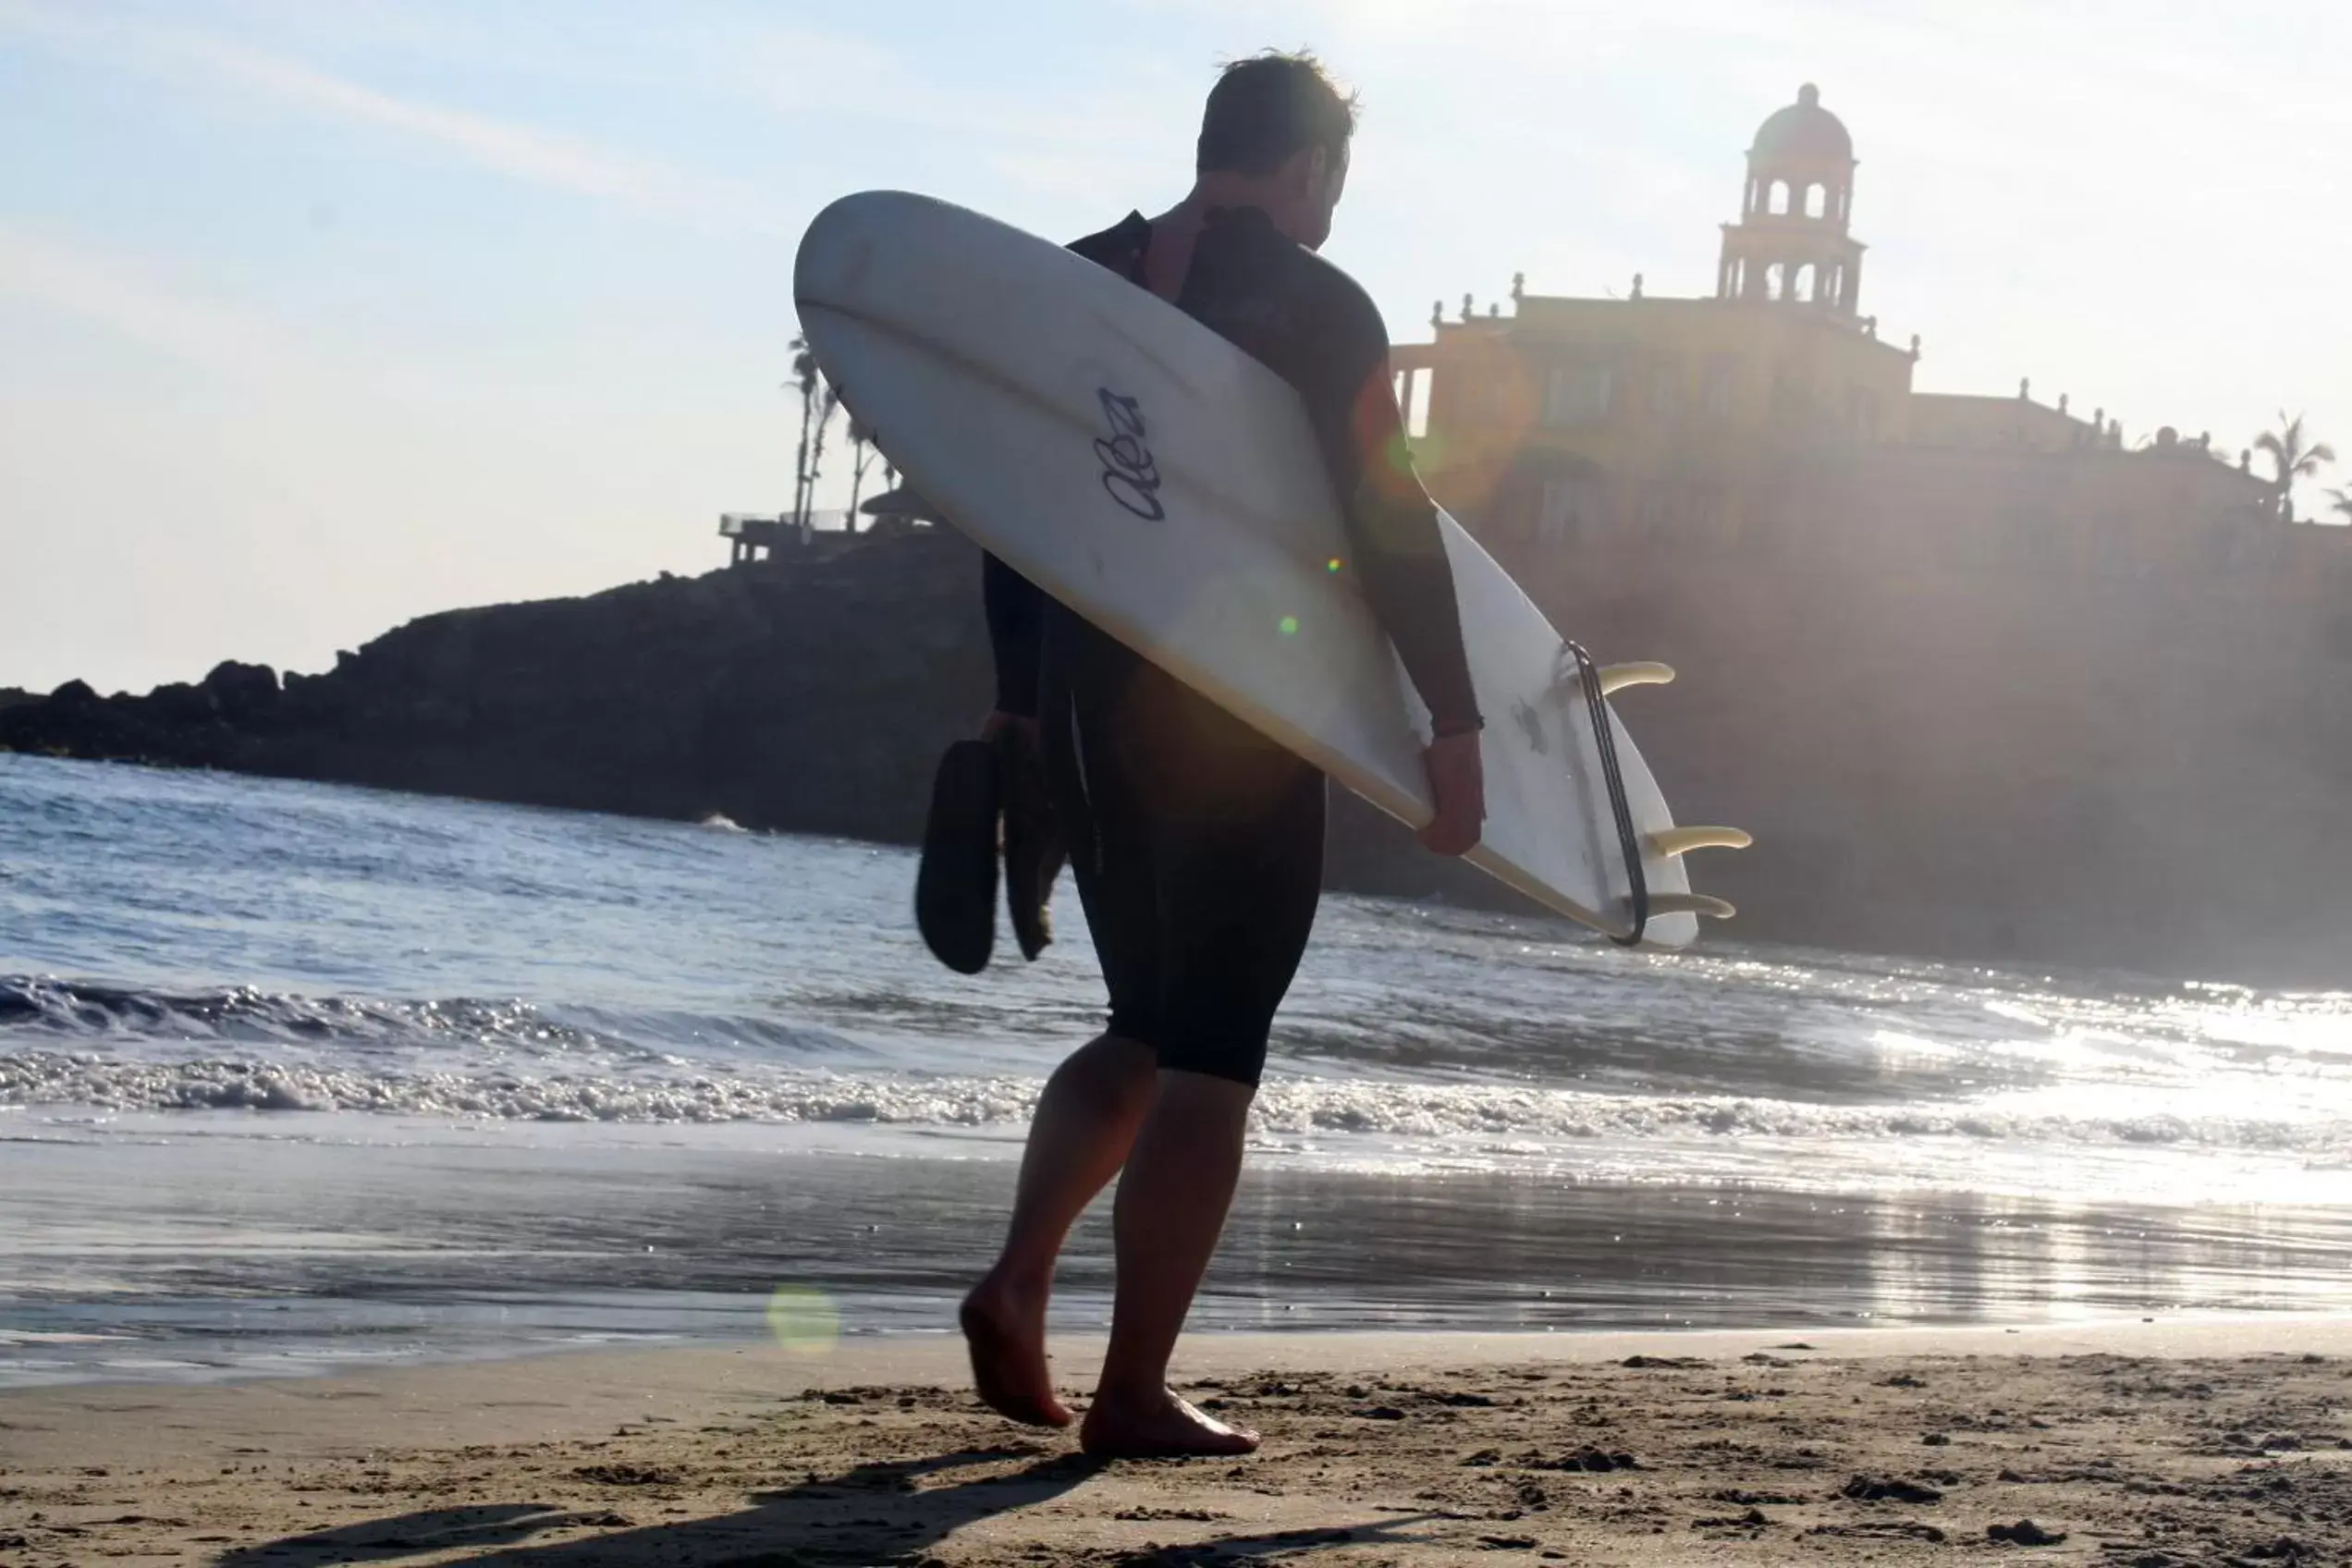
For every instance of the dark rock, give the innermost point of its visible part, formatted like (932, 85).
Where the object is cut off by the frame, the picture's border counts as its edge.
(2025, 1532)
(1753, 1519)
(243, 693)
(178, 705)
(1889, 1489)
(629, 1474)
(72, 722)
(1592, 1460)
(1888, 1529)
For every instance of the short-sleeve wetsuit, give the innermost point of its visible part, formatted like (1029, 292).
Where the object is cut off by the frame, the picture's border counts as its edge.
(1197, 844)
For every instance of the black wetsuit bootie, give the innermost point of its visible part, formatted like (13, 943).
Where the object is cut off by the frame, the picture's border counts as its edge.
(955, 887)
(1033, 846)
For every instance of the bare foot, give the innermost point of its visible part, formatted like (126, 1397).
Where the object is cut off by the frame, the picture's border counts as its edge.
(1005, 1332)
(1161, 1427)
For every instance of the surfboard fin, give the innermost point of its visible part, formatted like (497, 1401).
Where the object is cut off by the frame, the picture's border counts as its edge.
(1674, 842)
(1615, 678)
(1690, 903)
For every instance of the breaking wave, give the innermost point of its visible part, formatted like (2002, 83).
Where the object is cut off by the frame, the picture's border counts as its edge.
(81, 1012)
(62, 1078)
(114, 1049)
(1287, 1109)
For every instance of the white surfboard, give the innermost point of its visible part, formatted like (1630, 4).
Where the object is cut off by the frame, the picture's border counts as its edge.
(1164, 484)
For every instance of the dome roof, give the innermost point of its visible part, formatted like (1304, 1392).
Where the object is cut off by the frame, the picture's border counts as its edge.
(1803, 130)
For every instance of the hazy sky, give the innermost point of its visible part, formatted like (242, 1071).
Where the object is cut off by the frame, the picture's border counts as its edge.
(318, 314)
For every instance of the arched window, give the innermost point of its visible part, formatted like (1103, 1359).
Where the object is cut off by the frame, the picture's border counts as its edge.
(1776, 281)
(1780, 198)
(1804, 289)
(1816, 201)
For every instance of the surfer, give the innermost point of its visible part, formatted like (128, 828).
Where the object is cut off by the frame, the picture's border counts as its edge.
(1196, 842)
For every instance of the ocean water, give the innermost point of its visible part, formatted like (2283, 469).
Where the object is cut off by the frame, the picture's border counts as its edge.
(295, 1075)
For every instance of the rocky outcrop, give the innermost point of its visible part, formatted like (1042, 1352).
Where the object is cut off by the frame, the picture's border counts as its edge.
(813, 694)
(2021, 769)
(1982, 747)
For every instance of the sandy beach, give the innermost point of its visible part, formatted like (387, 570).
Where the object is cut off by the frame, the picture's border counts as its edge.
(2123, 1444)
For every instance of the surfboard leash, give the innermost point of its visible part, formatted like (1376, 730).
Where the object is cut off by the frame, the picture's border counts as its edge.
(1605, 742)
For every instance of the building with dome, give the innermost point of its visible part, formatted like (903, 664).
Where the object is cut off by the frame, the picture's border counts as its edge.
(1984, 679)
(1792, 241)
(1567, 418)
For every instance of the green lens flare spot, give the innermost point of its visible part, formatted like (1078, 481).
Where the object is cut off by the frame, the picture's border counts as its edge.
(1333, 564)
(805, 1321)
(1289, 625)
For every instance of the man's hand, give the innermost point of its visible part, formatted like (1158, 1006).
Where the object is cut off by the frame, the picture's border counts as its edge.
(1458, 781)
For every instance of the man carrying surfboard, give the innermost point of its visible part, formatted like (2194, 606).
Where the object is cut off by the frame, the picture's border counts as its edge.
(1196, 842)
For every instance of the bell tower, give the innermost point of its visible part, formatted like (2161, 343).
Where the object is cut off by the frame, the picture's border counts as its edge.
(1791, 245)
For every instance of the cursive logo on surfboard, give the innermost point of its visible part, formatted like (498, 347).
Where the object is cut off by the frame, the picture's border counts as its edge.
(1129, 475)
(1531, 725)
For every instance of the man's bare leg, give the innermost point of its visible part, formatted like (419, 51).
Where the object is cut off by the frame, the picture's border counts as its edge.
(1172, 1203)
(1084, 1123)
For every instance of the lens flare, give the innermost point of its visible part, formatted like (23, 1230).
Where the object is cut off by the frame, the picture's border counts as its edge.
(1333, 564)
(804, 1321)
(1400, 454)
(1289, 624)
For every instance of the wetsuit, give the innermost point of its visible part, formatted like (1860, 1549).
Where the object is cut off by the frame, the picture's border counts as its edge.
(1197, 842)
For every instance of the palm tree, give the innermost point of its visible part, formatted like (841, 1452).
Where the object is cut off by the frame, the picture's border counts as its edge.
(2291, 459)
(828, 403)
(862, 449)
(804, 376)
(2340, 503)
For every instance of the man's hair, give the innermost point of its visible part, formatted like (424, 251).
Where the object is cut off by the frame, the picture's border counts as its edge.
(1266, 109)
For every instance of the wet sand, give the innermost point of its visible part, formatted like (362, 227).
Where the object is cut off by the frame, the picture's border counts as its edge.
(2154, 1445)
(189, 1247)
